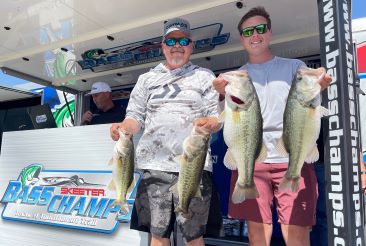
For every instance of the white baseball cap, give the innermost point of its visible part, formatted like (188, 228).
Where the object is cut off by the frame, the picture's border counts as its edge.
(177, 24)
(98, 87)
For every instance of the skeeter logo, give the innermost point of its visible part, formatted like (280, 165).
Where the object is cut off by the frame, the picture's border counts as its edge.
(64, 198)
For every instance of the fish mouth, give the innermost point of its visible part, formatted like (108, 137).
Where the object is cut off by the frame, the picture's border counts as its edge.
(237, 100)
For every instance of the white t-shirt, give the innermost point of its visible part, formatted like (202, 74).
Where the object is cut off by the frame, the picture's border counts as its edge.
(272, 81)
(165, 103)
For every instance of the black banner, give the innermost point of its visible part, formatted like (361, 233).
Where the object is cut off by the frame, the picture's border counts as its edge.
(342, 150)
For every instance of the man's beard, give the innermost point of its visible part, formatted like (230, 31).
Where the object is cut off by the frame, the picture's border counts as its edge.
(177, 61)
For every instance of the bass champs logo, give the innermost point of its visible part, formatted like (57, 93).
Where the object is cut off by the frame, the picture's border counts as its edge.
(344, 201)
(63, 198)
(98, 60)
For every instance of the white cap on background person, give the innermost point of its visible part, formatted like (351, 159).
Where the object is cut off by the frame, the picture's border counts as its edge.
(98, 87)
(177, 24)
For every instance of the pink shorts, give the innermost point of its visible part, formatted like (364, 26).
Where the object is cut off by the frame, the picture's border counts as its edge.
(293, 208)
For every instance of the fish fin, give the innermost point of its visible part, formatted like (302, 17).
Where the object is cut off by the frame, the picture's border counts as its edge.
(198, 193)
(185, 213)
(123, 206)
(228, 76)
(174, 188)
(289, 184)
(313, 156)
(178, 159)
(236, 117)
(229, 160)
(188, 215)
(323, 111)
(132, 185)
(240, 194)
(112, 186)
(280, 147)
(262, 154)
(222, 116)
(180, 210)
(110, 162)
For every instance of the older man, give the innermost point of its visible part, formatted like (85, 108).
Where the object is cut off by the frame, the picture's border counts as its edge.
(167, 101)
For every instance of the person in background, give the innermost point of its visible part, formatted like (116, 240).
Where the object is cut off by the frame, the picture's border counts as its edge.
(272, 77)
(167, 102)
(107, 111)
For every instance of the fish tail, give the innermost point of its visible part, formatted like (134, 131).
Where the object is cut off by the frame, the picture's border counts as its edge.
(184, 212)
(122, 204)
(124, 208)
(289, 183)
(241, 193)
(181, 210)
(251, 192)
(187, 215)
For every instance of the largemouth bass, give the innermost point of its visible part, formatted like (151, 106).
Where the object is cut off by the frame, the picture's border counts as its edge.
(192, 162)
(122, 169)
(301, 124)
(242, 132)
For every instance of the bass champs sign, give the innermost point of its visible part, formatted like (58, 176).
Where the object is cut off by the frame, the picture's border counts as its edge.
(77, 199)
(98, 60)
(344, 208)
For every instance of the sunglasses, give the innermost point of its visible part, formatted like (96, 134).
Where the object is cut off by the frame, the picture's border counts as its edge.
(249, 31)
(182, 41)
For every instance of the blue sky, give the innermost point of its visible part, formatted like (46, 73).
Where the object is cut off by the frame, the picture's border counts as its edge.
(358, 11)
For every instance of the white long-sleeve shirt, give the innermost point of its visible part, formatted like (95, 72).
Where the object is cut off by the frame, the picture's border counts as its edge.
(165, 103)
